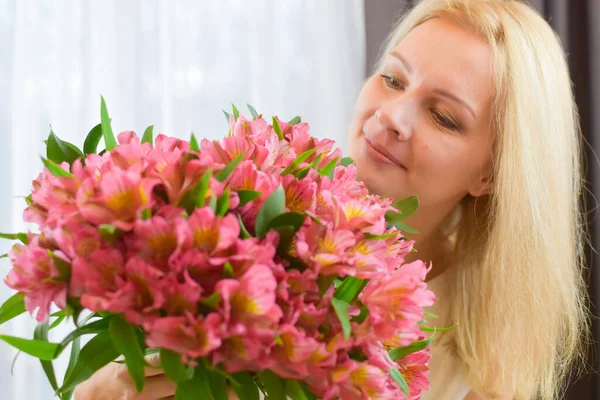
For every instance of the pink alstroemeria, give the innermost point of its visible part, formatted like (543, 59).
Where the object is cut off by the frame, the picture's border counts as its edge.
(77, 240)
(35, 273)
(414, 368)
(325, 249)
(363, 381)
(396, 302)
(190, 335)
(100, 281)
(121, 198)
(252, 296)
(300, 195)
(205, 231)
(154, 240)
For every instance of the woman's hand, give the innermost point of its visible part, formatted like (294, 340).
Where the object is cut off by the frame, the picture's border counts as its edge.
(113, 382)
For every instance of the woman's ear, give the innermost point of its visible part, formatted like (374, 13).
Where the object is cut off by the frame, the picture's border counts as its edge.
(482, 187)
(483, 183)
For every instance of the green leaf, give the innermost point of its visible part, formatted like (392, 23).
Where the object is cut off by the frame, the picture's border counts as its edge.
(346, 161)
(194, 143)
(399, 379)
(297, 161)
(398, 224)
(247, 196)
(407, 206)
(227, 116)
(430, 315)
(315, 163)
(37, 348)
(173, 366)
(90, 145)
(213, 300)
(15, 236)
(107, 132)
(295, 120)
(328, 169)
(212, 203)
(228, 169)
(252, 111)
(89, 329)
(29, 199)
(60, 151)
(97, 353)
(341, 308)
(223, 202)
(295, 391)
(243, 231)
(218, 385)
(14, 362)
(148, 135)
(124, 339)
(236, 113)
(13, 307)
(227, 272)
(56, 169)
(350, 288)
(273, 385)
(360, 318)
(41, 333)
(272, 207)
(75, 350)
(380, 237)
(314, 217)
(277, 129)
(110, 233)
(63, 267)
(244, 386)
(146, 214)
(196, 197)
(196, 388)
(293, 219)
(449, 328)
(400, 352)
(57, 322)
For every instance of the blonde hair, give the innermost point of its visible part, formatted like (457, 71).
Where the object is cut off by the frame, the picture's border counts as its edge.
(519, 295)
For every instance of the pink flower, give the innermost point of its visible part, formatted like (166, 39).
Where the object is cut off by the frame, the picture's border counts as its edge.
(131, 152)
(207, 232)
(300, 195)
(258, 131)
(77, 240)
(192, 336)
(196, 265)
(396, 302)
(168, 144)
(120, 200)
(100, 281)
(362, 380)
(154, 240)
(325, 249)
(414, 368)
(229, 148)
(148, 290)
(250, 297)
(36, 275)
(179, 295)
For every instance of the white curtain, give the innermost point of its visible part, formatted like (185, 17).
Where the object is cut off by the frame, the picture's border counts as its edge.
(171, 63)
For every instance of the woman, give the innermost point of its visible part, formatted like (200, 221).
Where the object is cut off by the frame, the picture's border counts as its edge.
(471, 109)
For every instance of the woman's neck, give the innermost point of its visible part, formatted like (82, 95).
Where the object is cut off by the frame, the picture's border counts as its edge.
(432, 248)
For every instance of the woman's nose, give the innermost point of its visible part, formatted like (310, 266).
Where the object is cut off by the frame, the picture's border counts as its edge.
(398, 118)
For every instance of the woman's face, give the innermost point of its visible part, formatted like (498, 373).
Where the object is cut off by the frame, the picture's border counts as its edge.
(422, 123)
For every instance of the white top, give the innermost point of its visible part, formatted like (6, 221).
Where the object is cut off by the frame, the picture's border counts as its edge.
(447, 382)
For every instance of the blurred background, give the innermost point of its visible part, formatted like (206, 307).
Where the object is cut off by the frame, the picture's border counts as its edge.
(176, 64)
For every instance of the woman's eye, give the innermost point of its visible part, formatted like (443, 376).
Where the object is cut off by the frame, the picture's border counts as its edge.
(445, 121)
(392, 82)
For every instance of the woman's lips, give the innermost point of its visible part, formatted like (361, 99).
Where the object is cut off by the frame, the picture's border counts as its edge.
(378, 153)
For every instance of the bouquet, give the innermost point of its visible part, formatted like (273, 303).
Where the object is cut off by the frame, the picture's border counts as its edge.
(257, 261)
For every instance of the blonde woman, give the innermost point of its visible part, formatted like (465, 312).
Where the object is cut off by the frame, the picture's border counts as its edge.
(471, 109)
